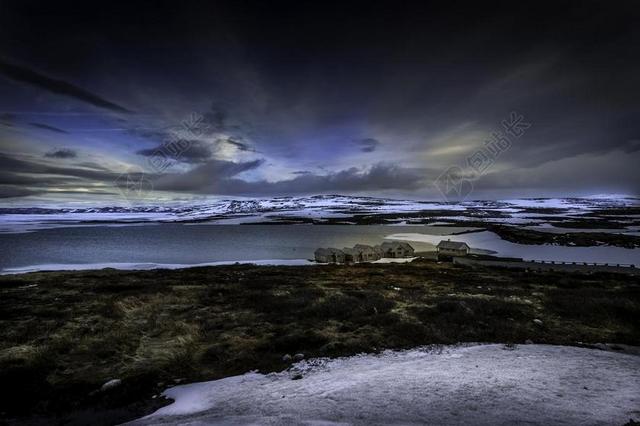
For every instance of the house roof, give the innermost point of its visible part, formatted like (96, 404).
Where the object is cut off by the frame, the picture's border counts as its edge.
(363, 248)
(326, 251)
(395, 244)
(453, 245)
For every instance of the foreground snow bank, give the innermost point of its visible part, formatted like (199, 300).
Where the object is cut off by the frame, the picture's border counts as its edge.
(483, 384)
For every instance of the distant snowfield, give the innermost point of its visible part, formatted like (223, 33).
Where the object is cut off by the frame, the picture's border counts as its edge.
(479, 385)
(318, 208)
(489, 241)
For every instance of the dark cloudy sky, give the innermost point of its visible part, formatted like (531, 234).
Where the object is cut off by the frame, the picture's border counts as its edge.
(260, 98)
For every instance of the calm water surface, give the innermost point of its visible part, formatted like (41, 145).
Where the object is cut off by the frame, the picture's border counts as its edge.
(186, 244)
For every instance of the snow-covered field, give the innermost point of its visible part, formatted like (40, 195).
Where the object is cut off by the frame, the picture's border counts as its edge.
(315, 208)
(487, 242)
(464, 385)
(395, 260)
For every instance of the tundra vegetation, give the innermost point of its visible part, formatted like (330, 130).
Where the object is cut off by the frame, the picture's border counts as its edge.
(65, 334)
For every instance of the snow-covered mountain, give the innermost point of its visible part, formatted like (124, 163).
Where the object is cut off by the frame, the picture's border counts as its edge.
(315, 209)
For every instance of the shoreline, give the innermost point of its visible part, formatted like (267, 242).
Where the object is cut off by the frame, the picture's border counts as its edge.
(74, 267)
(142, 266)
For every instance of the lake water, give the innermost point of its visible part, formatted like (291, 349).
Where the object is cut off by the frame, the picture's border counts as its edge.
(179, 245)
(186, 244)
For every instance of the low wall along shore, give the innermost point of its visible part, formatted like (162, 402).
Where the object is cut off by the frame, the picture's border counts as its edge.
(551, 266)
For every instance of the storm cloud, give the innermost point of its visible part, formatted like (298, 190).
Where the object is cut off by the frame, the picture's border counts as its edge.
(26, 75)
(47, 127)
(16, 170)
(270, 99)
(368, 144)
(61, 153)
(188, 151)
(220, 177)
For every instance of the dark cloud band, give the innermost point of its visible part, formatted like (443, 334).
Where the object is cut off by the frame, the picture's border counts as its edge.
(25, 75)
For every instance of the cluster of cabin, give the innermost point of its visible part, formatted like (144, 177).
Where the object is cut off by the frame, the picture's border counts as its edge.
(364, 253)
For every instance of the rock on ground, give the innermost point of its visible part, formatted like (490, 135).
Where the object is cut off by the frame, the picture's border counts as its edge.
(480, 385)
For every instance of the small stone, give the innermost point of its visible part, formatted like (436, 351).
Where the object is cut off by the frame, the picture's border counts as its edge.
(298, 357)
(297, 377)
(536, 321)
(286, 358)
(110, 385)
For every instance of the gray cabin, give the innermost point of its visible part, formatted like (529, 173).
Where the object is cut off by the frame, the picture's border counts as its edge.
(329, 255)
(352, 255)
(363, 253)
(368, 253)
(396, 249)
(452, 248)
(360, 253)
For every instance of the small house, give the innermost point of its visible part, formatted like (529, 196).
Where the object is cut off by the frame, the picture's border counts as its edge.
(363, 253)
(329, 255)
(396, 249)
(352, 255)
(368, 253)
(452, 248)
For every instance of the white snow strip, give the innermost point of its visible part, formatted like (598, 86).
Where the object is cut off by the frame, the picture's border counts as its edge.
(148, 266)
(395, 260)
(479, 385)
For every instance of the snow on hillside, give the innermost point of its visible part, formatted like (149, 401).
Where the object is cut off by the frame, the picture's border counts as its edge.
(315, 208)
(480, 385)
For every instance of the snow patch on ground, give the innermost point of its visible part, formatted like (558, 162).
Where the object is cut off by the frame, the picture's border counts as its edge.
(395, 260)
(20, 218)
(148, 266)
(490, 241)
(480, 385)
